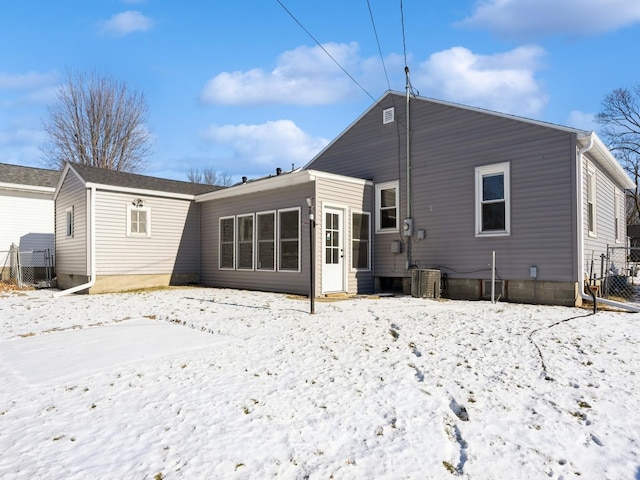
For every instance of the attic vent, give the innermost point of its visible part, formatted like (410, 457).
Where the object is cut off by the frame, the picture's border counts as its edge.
(388, 115)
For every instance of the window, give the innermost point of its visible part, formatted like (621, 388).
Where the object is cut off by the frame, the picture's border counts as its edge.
(591, 201)
(245, 242)
(493, 216)
(289, 239)
(616, 214)
(266, 239)
(138, 221)
(227, 239)
(69, 213)
(387, 207)
(360, 232)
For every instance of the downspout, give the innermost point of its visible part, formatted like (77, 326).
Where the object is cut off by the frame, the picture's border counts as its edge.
(409, 253)
(580, 238)
(92, 250)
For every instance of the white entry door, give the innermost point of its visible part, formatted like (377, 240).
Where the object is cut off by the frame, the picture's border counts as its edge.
(333, 251)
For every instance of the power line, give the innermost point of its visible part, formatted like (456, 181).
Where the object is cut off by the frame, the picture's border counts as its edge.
(325, 50)
(384, 67)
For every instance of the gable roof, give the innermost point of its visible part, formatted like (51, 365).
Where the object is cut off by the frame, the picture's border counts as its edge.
(17, 177)
(124, 181)
(597, 150)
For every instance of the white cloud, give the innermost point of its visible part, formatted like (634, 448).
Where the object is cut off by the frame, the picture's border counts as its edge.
(535, 18)
(124, 23)
(304, 76)
(582, 120)
(504, 82)
(26, 81)
(266, 146)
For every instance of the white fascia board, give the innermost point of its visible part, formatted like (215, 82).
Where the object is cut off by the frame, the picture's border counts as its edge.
(19, 187)
(140, 191)
(278, 181)
(603, 156)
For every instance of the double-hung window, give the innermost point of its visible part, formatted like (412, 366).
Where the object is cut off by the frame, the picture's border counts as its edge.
(387, 206)
(245, 242)
(591, 201)
(266, 239)
(493, 203)
(227, 242)
(360, 244)
(289, 239)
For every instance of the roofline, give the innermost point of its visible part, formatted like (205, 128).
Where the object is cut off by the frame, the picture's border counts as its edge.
(604, 156)
(113, 188)
(279, 181)
(601, 154)
(19, 187)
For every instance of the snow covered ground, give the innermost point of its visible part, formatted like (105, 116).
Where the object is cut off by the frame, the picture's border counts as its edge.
(194, 383)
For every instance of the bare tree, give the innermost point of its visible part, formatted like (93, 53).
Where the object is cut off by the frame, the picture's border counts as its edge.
(209, 176)
(97, 121)
(620, 120)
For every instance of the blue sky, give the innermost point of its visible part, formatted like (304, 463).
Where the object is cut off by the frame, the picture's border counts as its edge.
(240, 87)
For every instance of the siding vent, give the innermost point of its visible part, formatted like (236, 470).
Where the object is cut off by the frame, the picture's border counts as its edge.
(388, 115)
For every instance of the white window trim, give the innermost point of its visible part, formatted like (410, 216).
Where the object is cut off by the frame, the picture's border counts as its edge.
(237, 242)
(592, 191)
(368, 269)
(69, 218)
(503, 168)
(278, 257)
(273, 215)
(220, 267)
(616, 213)
(131, 208)
(385, 186)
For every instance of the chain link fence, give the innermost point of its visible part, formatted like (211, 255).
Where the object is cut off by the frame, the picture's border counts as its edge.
(33, 268)
(620, 274)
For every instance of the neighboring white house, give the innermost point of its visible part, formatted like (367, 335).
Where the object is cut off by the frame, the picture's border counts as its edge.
(26, 207)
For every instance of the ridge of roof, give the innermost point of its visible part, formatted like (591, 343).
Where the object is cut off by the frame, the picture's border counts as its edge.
(114, 178)
(21, 175)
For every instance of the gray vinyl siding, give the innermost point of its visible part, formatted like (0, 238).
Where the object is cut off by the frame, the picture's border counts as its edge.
(173, 246)
(596, 245)
(274, 281)
(72, 253)
(448, 143)
(354, 197)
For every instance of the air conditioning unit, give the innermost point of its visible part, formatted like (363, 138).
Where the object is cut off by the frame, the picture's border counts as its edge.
(425, 283)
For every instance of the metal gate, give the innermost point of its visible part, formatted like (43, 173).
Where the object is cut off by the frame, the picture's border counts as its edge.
(33, 268)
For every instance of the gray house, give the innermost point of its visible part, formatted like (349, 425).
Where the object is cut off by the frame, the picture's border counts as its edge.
(468, 183)
(119, 231)
(476, 201)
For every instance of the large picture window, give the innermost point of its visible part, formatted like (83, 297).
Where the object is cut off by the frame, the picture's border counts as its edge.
(360, 244)
(493, 216)
(387, 207)
(266, 239)
(227, 242)
(245, 242)
(289, 240)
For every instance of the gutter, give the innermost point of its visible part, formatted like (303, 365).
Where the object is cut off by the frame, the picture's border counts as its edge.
(92, 250)
(580, 238)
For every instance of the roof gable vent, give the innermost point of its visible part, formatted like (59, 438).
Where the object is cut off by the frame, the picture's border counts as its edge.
(388, 115)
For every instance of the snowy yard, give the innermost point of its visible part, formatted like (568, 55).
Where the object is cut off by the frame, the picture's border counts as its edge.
(197, 383)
